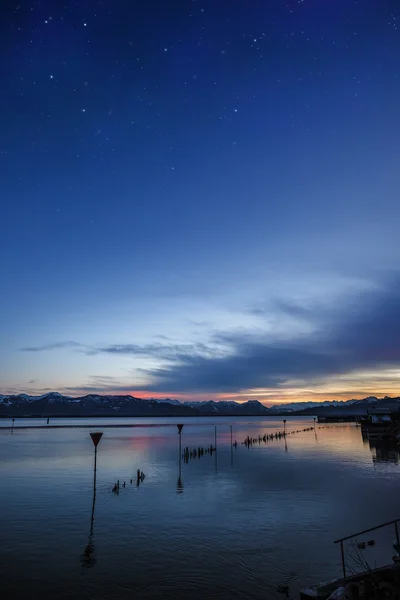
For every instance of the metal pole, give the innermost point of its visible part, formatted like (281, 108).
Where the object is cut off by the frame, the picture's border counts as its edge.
(94, 492)
(231, 447)
(95, 465)
(397, 537)
(343, 562)
(215, 445)
(179, 485)
(180, 454)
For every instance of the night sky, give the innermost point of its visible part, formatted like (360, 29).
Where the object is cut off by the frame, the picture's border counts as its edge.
(200, 199)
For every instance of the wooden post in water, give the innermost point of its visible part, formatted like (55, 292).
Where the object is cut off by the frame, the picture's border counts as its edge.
(284, 427)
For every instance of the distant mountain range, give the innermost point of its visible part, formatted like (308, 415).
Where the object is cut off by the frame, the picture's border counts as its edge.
(55, 404)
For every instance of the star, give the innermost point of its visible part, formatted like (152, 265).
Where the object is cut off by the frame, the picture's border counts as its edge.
(83, 110)
(51, 76)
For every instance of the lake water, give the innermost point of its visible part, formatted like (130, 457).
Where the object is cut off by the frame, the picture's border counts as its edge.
(238, 524)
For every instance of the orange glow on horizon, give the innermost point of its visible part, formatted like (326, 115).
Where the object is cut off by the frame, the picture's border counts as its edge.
(269, 398)
(351, 386)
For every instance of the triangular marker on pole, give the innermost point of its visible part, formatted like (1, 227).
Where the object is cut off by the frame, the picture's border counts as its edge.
(96, 437)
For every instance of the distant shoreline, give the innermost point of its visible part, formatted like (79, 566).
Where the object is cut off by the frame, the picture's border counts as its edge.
(175, 417)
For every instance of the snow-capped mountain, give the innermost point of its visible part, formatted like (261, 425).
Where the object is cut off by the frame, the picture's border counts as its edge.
(296, 406)
(56, 404)
(167, 401)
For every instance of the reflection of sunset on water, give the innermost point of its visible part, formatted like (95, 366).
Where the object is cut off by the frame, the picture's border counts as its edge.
(237, 503)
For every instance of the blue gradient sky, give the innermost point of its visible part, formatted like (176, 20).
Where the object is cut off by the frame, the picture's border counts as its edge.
(200, 199)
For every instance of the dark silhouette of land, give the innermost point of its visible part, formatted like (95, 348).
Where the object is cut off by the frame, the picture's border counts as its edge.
(54, 404)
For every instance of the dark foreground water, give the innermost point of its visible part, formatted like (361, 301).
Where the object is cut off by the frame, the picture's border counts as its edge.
(237, 525)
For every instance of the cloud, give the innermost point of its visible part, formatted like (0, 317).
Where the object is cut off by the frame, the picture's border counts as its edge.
(55, 346)
(102, 378)
(98, 389)
(363, 335)
(170, 352)
(360, 335)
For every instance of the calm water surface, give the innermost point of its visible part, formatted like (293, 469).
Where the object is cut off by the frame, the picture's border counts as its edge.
(239, 524)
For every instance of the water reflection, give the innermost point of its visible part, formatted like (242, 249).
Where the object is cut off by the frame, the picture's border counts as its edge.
(89, 556)
(253, 513)
(384, 451)
(179, 485)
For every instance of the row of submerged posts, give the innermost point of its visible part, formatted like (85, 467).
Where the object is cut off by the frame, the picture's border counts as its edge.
(88, 557)
(249, 441)
(197, 453)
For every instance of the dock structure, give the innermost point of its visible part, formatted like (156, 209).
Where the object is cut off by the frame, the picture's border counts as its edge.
(385, 579)
(339, 418)
(381, 423)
